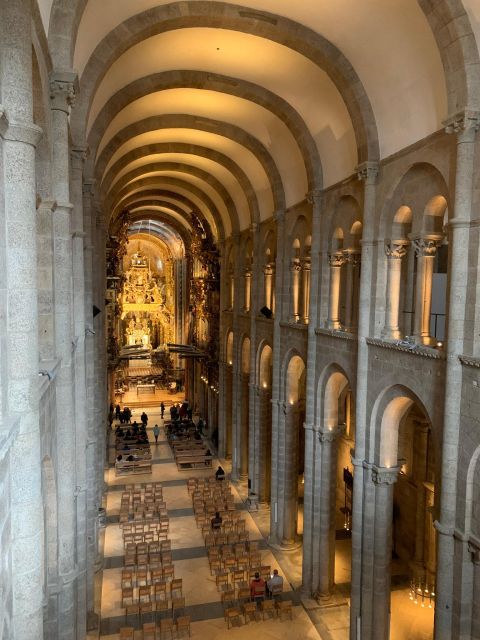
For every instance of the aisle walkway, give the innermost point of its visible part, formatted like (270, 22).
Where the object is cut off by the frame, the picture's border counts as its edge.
(189, 557)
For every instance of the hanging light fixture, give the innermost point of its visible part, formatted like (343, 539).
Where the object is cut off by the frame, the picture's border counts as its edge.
(422, 593)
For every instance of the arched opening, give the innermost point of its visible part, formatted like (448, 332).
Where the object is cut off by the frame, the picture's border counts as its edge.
(244, 414)
(229, 395)
(260, 444)
(406, 504)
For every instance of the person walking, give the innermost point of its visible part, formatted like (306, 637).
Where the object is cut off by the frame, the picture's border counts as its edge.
(144, 418)
(156, 432)
(162, 409)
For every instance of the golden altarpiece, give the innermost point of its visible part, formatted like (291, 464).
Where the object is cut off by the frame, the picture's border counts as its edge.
(147, 308)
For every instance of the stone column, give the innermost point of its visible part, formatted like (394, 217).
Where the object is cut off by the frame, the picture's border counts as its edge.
(306, 270)
(18, 282)
(78, 234)
(222, 405)
(269, 272)
(295, 279)
(336, 261)
(383, 479)
(310, 500)
(395, 251)
(327, 454)
(260, 446)
(242, 452)
(368, 172)
(62, 92)
(92, 450)
(465, 125)
(248, 290)
(228, 409)
(352, 262)
(288, 467)
(425, 250)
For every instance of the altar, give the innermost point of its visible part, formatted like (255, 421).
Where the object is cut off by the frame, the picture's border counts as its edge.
(145, 389)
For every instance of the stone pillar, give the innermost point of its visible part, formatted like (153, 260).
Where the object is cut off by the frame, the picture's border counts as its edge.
(62, 92)
(269, 272)
(327, 457)
(465, 125)
(395, 251)
(260, 445)
(222, 405)
(248, 290)
(310, 499)
(18, 278)
(242, 452)
(383, 479)
(336, 261)
(92, 445)
(425, 250)
(306, 270)
(78, 239)
(288, 468)
(352, 261)
(368, 172)
(295, 279)
(228, 409)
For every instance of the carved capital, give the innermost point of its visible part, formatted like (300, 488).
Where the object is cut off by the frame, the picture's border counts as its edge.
(79, 155)
(463, 121)
(352, 257)
(474, 550)
(367, 171)
(425, 247)
(89, 187)
(336, 259)
(248, 273)
(306, 263)
(384, 475)
(269, 269)
(63, 89)
(395, 250)
(332, 434)
(295, 266)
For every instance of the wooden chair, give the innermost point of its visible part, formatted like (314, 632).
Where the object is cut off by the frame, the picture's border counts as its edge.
(244, 594)
(127, 596)
(178, 604)
(127, 578)
(176, 588)
(144, 594)
(166, 628)
(162, 607)
(265, 572)
(165, 545)
(267, 607)
(145, 608)
(183, 624)
(131, 610)
(228, 598)
(250, 611)
(232, 616)
(149, 631)
(284, 608)
(142, 577)
(127, 633)
(168, 572)
(156, 576)
(221, 578)
(238, 577)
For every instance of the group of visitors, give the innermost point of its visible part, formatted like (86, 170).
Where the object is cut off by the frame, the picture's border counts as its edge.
(259, 588)
(123, 416)
(180, 411)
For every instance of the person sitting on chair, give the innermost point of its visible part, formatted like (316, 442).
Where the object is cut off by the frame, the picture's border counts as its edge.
(220, 474)
(257, 588)
(216, 522)
(275, 584)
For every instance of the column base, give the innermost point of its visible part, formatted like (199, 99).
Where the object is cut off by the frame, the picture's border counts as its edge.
(290, 545)
(332, 599)
(391, 335)
(334, 326)
(93, 621)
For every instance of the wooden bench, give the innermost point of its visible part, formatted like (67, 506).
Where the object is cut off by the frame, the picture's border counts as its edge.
(193, 462)
(127, 467)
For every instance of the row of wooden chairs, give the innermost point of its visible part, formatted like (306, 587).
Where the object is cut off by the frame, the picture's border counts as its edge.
(214, 539)
(271, 608)
(150, 631)
(149, 546)
(143, 526)
(238, 549)
(152, 593)
(152, 558)
(159, 589)
(157, 534)
(155, 609)
(194, 484)
(141, 563)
